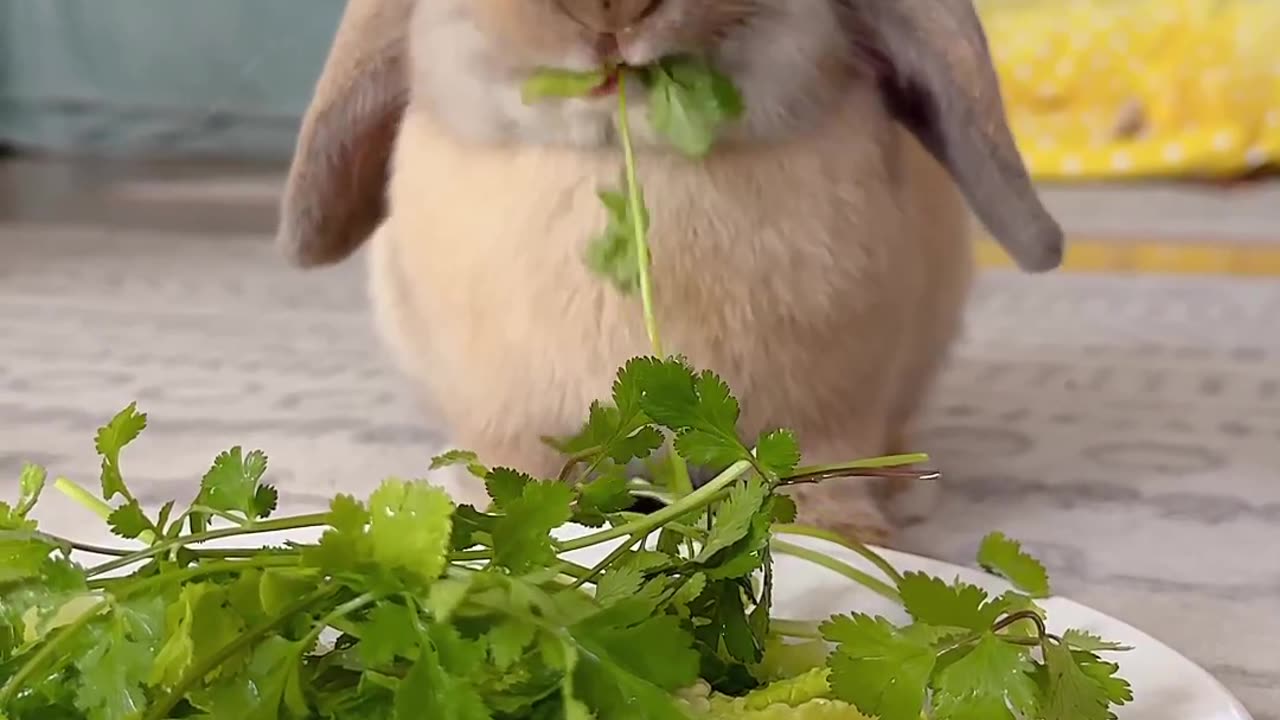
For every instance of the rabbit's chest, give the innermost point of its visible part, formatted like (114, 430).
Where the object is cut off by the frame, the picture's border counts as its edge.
(499, 236)
(762, 263)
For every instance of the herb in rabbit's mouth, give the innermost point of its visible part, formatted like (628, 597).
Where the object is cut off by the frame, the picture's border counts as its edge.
(610, 83)
(408, 606)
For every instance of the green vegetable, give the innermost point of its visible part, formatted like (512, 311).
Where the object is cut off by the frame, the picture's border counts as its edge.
(554, 83)
(1002, 556)
(408, 606)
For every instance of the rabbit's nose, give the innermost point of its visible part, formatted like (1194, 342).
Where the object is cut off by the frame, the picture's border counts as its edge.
(609, 16)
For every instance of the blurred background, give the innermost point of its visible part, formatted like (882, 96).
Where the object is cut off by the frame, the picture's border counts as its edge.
(1121, 415)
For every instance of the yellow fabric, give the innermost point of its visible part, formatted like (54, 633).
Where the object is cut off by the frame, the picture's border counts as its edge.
(1125, 88)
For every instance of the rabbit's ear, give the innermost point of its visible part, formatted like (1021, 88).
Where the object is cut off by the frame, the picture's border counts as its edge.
(938, 80)
(335, 194)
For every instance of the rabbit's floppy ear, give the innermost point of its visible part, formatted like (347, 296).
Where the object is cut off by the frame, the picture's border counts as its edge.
(335, 193)
(938, 80)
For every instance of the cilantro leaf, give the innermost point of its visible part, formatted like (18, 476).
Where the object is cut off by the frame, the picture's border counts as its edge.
(877, 668)
(278, 588)
(734, 516)
(505, 485)
(689, 102)
(615, 253)
(628, 387)
(428, 691)
(197, 625)
(930, 600)
(271, 678)
(621, 435)
(1088, 642)
(128, 521)
(603, 496)
(388, 632)
(616, 681)
(522, 537)
(1016, 602)
(779, 451)
(232, 483)
(123, 429)
(508, 640)
(265, 500)
(411, 528)
(446, 595)
(618, 583)
(344, 544)
(1002, 556)
(470, 526)
(989, 683)
(464, 458)
(700, 408)
(116, 659)
(750, 553)
(617, 433)
(22, 553)
(30, 484)
(721, 606)
(1070, 693)
(1116, 690)
(784, 509)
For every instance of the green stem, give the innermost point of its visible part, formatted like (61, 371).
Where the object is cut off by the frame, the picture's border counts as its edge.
(239, 522)
(796, 628)
(830, 563)
(608, 560)
(636, 209)
(888, 461)
(337, 614)
(280, 525)
(1014, 618)
(699, 499)
(129, 589)
(577, 459)
(870, 555)
(50, 650)
(682, 484)
(82, 547)
(161, 709)
(555, 572)
(94, 504)
(469, 555)
(85, 498)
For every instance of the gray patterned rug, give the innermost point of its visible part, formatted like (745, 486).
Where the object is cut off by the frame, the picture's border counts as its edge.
(1127, 428)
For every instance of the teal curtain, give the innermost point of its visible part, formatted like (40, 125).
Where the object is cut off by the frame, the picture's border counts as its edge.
(224, 77)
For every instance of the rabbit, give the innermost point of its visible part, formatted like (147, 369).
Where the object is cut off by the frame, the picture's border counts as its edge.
(818, 258)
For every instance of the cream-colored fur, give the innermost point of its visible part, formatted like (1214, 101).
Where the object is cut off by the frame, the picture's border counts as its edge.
(823, 278)
(818, 258)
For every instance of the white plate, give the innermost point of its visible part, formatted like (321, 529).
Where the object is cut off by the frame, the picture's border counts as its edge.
(1166, 685)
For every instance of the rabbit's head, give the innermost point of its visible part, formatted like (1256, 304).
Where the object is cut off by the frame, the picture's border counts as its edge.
(464, 61)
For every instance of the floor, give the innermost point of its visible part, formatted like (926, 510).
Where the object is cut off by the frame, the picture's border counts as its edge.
(1127, 427)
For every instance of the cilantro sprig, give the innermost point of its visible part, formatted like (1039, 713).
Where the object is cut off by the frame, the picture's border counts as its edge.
(409, 606)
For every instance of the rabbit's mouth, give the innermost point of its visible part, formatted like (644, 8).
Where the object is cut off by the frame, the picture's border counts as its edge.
(609, 85)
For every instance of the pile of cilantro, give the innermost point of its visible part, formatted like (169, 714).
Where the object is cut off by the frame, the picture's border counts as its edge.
(408, 606)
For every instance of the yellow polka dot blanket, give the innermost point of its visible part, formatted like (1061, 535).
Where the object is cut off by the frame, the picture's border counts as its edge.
(1102, 89)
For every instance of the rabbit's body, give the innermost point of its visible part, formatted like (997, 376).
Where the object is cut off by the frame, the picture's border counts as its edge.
(823, 277)
(817, 258)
